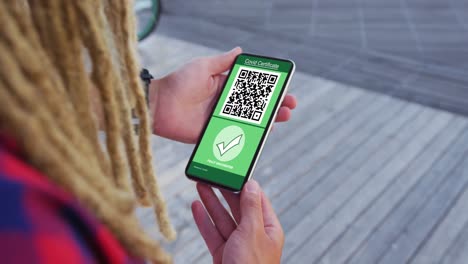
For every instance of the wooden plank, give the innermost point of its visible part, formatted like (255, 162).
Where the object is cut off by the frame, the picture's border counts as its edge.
(332, 41)
(164, 162)
(337, 101)
(321, 95)
(338, 205)
(303, 85)
(337, 154)
(169, 176)
(166, 177)
(326, 162)
(447, 231)
(422, 226)
(360, 162)
(392, 196)
(382, 238)
(290, 171)
(457, 252)
(178, 246)
(204, 258)
(323, 123)
(370, 191)
(178, 152)
(189, 252)
(331, 174)
(195, 246)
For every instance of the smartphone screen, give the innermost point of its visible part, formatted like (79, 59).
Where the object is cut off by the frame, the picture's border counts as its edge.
(240, 121)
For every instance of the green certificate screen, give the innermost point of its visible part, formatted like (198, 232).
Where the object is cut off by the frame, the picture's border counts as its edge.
(234, 133)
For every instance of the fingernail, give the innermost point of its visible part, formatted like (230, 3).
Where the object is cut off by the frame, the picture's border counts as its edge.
(232, 50)
(251, 187)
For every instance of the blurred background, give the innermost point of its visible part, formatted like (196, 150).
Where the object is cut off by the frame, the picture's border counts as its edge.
(416, 49)
(373, 166)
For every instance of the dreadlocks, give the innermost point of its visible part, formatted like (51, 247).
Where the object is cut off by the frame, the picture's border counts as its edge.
(57, 59)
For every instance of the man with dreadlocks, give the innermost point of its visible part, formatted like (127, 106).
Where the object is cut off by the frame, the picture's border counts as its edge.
(68, 69)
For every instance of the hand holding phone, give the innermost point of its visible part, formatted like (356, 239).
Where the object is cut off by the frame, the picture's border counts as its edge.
(254, 235)
(236, 131)
(182, 101)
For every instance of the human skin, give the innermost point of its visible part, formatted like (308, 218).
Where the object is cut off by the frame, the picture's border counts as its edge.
(252, 235)
(181, 102)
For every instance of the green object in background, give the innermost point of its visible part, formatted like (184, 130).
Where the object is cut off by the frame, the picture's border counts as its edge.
(148, 13)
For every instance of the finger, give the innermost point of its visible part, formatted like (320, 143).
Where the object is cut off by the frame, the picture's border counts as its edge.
(221, 63)
(216, 87)
(251, 207)
(284, 114)
(270, 220)
(221, 217)
(289, 101)
(219, 81)
(233, 200)
(210, 234)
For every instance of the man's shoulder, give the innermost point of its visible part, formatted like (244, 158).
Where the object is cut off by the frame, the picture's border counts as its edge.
(41, 223)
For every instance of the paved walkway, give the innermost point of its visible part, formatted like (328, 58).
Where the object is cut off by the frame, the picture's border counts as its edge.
(412, 49)
(355, 176)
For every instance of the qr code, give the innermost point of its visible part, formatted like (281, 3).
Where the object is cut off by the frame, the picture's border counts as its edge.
(250, 95)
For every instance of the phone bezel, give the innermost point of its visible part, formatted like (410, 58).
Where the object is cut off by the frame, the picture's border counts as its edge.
(265, 133)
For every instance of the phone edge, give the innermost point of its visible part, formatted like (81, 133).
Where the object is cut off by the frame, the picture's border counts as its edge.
(249, 176)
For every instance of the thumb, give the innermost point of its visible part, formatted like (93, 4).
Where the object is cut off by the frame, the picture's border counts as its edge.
(251, 206)
(222, 62)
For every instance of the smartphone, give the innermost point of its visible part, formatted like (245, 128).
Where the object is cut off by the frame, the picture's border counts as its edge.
(234, 135)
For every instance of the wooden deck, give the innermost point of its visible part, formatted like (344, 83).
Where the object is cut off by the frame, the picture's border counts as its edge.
(412, 49)
(355, 176)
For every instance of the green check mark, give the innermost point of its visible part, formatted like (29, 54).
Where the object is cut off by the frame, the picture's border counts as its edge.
(229, 143)
(225, 148)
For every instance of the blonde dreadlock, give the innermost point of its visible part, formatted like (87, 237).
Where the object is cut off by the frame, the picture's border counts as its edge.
(46, 102)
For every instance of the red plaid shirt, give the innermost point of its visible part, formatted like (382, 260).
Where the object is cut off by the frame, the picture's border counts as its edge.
(41, 223)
